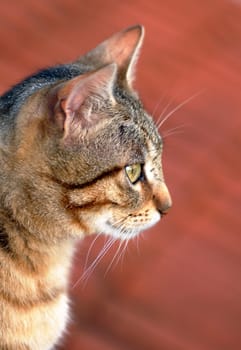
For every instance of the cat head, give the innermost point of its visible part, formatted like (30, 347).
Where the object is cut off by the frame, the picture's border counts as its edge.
(87, 154)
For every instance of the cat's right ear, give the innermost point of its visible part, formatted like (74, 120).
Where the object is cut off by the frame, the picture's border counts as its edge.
(122, 48)
(77, 101)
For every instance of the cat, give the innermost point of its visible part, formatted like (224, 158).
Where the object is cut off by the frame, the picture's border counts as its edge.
(78, 155)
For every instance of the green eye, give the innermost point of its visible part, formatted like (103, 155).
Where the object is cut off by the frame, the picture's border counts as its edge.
(134, 172)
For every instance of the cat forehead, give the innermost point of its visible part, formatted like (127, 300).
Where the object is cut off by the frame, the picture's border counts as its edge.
(135, 110)
(134, 137)
(122, 139)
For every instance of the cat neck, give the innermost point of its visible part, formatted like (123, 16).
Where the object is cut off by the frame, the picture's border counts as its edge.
(29, 253)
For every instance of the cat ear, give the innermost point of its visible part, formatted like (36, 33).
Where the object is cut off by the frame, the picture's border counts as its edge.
(79, 99)
(123, 49)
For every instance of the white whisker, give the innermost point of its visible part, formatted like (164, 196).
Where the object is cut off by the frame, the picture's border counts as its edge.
(175, 130)
(177, 108)
(124, 245)
(162, 113)
(156, 107)
(93, 265)
(114, 257)
(89, 250)
(163, 97)
(125, 250)
(122, 252)
(118, 223)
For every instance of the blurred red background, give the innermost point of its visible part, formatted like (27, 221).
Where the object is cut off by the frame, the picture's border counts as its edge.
(177, 287)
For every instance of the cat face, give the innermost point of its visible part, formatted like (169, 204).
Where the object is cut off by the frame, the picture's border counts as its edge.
(111, 173)
(87, 156)
(124, 199)
(129, 200)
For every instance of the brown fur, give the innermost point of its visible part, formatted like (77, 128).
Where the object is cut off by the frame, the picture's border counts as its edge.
(67, 135)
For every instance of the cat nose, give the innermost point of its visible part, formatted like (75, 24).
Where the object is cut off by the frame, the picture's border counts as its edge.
(162, 199)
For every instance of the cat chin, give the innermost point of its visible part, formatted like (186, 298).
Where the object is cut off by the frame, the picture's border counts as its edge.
(124, 234)
(107, 227)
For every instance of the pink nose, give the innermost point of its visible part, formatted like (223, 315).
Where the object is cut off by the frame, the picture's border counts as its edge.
(162, 198)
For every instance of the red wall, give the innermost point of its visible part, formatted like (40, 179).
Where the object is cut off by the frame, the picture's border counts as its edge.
(179, 286)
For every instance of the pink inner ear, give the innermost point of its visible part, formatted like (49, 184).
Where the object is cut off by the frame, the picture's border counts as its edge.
(70, 88)
(123, 48)
(87, 86)
(77, 96)
(75, 99)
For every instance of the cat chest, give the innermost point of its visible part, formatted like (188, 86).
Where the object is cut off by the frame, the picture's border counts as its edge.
(37, 327)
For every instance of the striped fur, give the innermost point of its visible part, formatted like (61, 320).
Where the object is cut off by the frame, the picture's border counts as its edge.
(66, 135)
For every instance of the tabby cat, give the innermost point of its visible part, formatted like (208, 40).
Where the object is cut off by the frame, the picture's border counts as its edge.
(78, 155)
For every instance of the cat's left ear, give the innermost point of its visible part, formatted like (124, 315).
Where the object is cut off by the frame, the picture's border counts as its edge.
(78, 101)
(122, 48)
